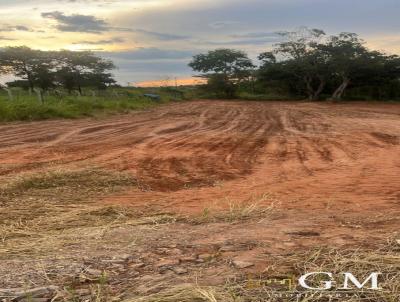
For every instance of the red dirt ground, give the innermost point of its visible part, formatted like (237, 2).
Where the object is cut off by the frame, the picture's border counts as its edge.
(331, 170)
(332, 167)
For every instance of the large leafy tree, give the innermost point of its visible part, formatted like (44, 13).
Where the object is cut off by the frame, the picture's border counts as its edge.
(352, 64)
(34, 66)
(346, 56)
(46, 69)
(223, 68)
(298, 61)
(78, 69)
(313, 63)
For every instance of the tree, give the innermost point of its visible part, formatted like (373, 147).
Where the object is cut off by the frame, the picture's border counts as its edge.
(77, 69)
(99, 80)
(47, 69)
(351, 63)
(27, 63)
(66, 79)
(311, 63)
(348, 58)
(300, 61)
(43, 75)
(223, 68)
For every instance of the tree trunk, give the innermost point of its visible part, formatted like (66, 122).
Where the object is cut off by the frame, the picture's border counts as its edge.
(337, 95)
(29, 78)
(39, 93)
(313, 94)
(9, 92)
(320, 88)
(58, 94)
(310, 89)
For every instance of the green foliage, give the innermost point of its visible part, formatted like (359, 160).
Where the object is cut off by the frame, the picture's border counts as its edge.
(218, 84)
(229, 62)
(83, 68)
(224, 69)
(309, 63)
(25, 107)
(48, 69)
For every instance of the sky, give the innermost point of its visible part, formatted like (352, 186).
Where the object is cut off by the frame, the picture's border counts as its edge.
(153, 40)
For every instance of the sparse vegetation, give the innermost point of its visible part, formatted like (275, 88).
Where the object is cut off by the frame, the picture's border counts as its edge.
(251, 288)
(86, 181)
(189, 293)
(361, 262)
(54, 217)
(35, 203)
(259, 207)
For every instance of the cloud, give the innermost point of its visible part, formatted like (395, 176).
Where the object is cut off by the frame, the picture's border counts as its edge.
(77, 22)
(6, 39)
(15, 28)
(250, 38)
(21, 28)
(257, 35)
(150, 54)
(162, 36)
(167, 28)
(91, 24)
(222, 24)
(256, 41)
(102, 42)
(89, 1)
(150, 63)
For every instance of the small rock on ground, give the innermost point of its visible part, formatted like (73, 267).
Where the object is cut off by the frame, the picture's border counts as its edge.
(242, 264)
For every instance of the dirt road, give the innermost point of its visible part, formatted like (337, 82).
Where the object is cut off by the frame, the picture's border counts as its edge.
(331, 171)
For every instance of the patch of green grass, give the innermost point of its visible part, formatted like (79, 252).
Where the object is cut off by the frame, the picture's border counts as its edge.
(26, 107)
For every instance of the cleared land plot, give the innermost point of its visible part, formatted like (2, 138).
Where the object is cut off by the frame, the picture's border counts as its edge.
(163, 204)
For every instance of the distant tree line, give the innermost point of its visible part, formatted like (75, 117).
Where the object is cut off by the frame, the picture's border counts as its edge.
(41, 71)
(308, 63)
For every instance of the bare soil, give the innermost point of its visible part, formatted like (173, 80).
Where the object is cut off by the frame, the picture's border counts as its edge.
(193, 193)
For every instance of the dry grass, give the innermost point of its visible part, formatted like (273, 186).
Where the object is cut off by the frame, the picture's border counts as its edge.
(54, 218)
(36, 206)
(257, 207)
(56, 211)
(188, 293)
(74, 185)
(361, 263)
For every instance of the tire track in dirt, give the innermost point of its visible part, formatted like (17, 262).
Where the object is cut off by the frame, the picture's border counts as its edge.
(201, 143)
(334, 170)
